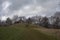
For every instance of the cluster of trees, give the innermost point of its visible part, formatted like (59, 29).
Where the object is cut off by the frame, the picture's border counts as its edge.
(52, 22)
(56, 24)
(44, 22)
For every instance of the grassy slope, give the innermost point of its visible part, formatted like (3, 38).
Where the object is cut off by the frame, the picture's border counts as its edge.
(20, 32)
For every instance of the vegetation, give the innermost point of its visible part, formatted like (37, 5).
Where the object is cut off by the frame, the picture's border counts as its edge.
(52, 22)
(21, 32)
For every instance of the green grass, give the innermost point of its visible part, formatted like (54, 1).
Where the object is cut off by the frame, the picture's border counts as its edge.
(21, 32)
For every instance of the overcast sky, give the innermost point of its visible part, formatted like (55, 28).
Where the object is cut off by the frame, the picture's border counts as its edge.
(8, 8)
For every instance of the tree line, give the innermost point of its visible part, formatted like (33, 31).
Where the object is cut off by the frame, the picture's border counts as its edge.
(48, 22)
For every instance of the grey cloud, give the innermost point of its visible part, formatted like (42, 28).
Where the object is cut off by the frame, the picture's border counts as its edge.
(51, 6)
(17, 4)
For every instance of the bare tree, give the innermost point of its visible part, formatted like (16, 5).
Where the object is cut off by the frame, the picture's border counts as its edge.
(9, 21)
(45, 22)
(15, 19)
(29, 20)
(56, 23)
(0, 22)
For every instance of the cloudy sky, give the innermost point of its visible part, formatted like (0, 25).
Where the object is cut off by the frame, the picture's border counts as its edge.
(9, 8)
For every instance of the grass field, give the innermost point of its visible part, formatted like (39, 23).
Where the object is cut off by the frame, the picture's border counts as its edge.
(21, 32)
